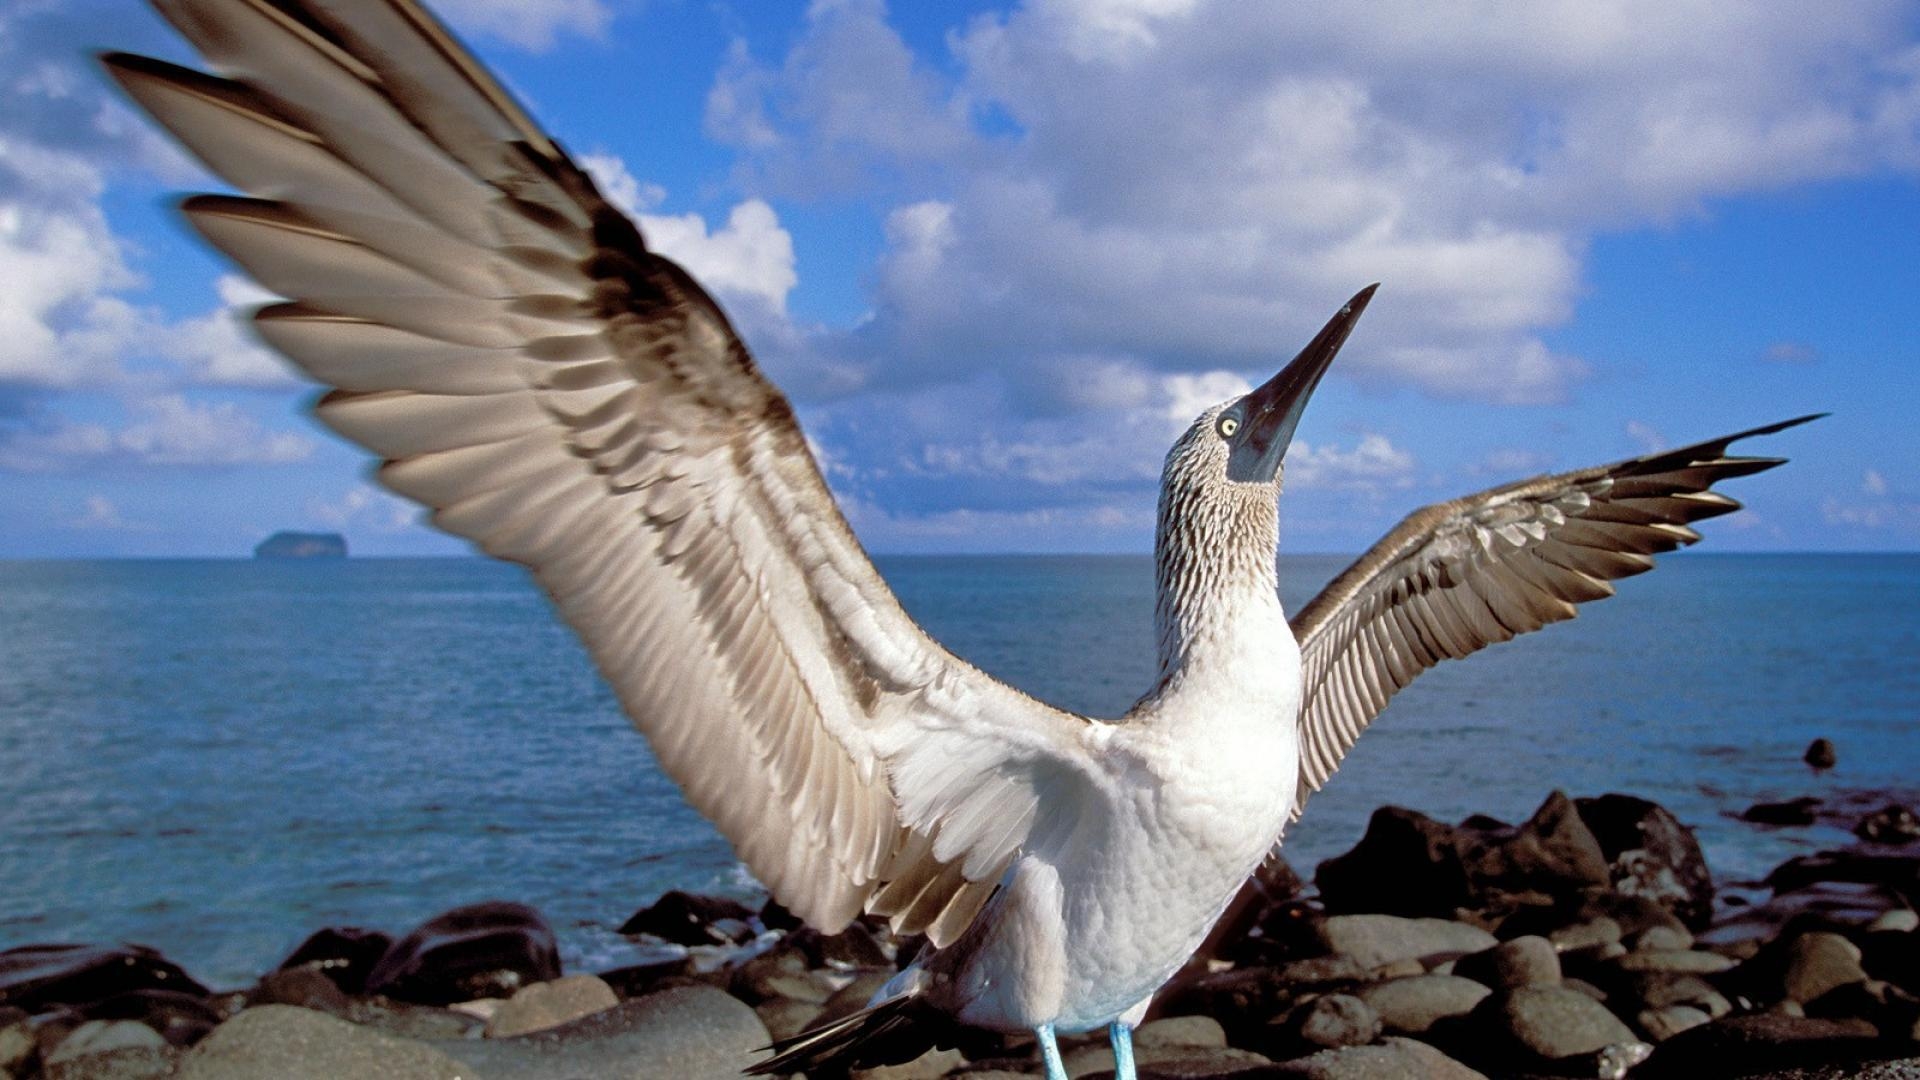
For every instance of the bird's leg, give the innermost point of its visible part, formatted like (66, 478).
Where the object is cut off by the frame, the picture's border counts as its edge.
(1050, 1052)
(1121, 1036)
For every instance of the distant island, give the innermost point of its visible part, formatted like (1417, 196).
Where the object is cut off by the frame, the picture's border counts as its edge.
(300, 545)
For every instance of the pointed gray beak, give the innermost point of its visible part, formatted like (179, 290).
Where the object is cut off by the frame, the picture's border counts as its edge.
(1265, 419)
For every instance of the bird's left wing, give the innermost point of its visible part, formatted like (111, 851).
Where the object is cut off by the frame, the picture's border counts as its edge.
(1458, 576)
(570, 400)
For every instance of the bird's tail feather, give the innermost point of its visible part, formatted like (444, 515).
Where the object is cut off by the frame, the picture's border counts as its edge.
(894, 1031)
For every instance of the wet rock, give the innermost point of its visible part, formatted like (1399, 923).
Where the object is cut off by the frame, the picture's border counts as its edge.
(1330, 1020)
(1392, 1059)
(344, 954)
(1887, 1007)
(1551, 1022)
(1899, 871)
(637, 980)
(307, 987)
(548, 1004)
(1891, 824)
(482, 950)
(181, 1018)
(1376, 940)
(1893, 955)
(688, 919)
(1652, 856)
(1759, 1043)
(290, 1043)
(1821, 754)
(1523, 961)
(1406, 864)
(1793, 812)
(1841, 906)
(1659, 1025)
(1817, 963)
(1659, 990)
(1412, 1006)
(40, 977)
(405, 1021)
(690, 1032)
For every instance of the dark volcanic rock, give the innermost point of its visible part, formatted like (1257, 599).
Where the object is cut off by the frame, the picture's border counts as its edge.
(344, 954)
(1759, 1043)
(1821, 754)
(854, 947)
(1650, 854)
(39, 977)
(1551, 852)
(1891, 824)
(180, 1017)
(1406, 864)
(1410, 864)
(306, 987)
(1793, 812)
(1900, 872)
(688, 919)
(482, 950)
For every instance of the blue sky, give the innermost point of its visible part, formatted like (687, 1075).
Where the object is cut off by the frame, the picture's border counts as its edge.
(999, 255)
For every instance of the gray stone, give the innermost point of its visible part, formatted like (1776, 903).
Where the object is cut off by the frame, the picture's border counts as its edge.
(1392, 1059)
(1411, 1006)
(1180, 1031)
(1900, 920)
(16, 1039)
(928, 1066)
(133, 1063)
(291, 1043)
(1524, 961)
(1662, 939)
(1376, 940)
(1663, 1024)
(1819, 962)
(1553, 1021)
(104, 1036)
(1589, 934)
(1680, 961)
(1332, 1020)
(690, 1031)
(1659, 989)
(544, 1005)
(1180, 1063)
(785, 1017)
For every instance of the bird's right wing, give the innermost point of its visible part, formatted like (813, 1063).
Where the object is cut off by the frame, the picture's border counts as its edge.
(1458, 576)
(568, 399)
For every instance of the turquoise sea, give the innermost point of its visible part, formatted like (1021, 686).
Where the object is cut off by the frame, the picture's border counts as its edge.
(216, 757)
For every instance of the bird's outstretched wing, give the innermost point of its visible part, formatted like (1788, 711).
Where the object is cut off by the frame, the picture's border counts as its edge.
(1458, 576)
(569, 400)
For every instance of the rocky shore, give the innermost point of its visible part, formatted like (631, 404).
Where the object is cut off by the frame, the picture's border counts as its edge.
(1587, 941)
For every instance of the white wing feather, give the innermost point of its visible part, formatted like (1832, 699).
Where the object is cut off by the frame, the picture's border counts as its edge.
(569, 400)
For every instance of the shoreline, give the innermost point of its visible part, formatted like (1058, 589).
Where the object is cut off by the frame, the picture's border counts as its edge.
(1590, 939)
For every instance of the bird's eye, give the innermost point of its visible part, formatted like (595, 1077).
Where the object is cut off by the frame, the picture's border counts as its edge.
(1228, 425)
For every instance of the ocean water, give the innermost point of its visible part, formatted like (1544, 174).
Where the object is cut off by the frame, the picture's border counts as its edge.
(216, 757)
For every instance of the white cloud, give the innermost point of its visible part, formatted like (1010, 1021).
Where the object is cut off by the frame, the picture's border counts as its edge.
(217, 349)
(749, 258)
(165, 431)
(1646, 436)
(366, 506)
(1790, 352)
(533, 25)
(1373, 466)
(1196, 185)
(101, 515)
(1873, 483)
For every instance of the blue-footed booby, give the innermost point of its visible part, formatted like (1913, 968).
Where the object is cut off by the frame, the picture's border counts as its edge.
(564, 397)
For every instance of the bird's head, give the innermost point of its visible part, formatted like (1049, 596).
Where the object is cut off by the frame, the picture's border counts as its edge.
(1238, 445)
